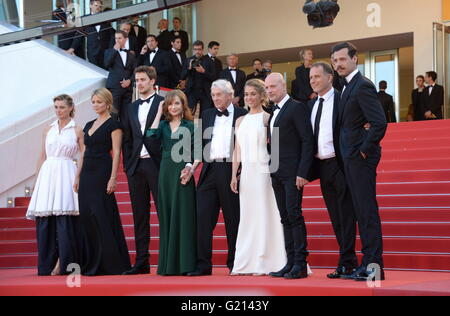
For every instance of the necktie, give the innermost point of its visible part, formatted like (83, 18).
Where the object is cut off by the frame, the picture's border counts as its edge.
(220, 114)
(146, 100)
(317, 124)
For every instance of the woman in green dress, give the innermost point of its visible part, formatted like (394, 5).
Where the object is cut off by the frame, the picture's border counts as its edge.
(177, 202)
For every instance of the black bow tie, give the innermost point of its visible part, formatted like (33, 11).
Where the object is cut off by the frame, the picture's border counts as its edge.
(220, 114)
(153, 52)
(233, 69)
(345, 82)
(124, 50)
(276, 107)
(146, 100)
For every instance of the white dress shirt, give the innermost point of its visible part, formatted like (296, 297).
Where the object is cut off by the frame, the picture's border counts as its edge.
(152, 55)
(326, 144)
(221, 138)
(144, 109)
(97, 27)
(124, 56)
(127, 44)
(349, 79)
(276, 112)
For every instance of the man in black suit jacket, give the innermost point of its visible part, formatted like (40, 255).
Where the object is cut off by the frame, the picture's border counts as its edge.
(139, 33)
(178, 32)
(387, 102)
(199, 73)
(214, 191)
(152, 55)
(291, 145)
(177, 59)
(237, 79)
(434, 97)
(141, 159)
(418, 97)
(305, 92)
(121, 63)
(213, 52)
(328, 166)
(164, 37)
(361, 153)
(132, 41)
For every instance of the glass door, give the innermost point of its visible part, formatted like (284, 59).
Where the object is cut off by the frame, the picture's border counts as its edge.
(384, 66)
(442, 61)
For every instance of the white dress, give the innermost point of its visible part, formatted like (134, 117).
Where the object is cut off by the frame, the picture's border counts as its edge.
(260, 247)
(53, 194)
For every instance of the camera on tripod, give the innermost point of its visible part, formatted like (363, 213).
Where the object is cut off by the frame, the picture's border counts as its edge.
(321, 13)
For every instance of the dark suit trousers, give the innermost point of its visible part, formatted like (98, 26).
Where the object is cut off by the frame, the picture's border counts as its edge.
(58, 237)
(340, 208)
(361, 178)
(121, 100)
(289, 201)
(213, 194)
(196, 96)
(143, 182)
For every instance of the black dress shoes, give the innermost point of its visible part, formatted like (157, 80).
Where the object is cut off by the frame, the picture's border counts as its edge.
(281, 273)
(340, 273)
(363, 274)
(297, 272)
(199, 273)
(138, 270)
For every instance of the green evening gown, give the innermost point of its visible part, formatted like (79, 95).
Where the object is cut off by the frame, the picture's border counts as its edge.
(177, 203)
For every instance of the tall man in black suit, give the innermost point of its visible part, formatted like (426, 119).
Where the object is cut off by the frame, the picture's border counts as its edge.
(236, 77)
(151, 55)
(164, 36)
(291, 140)
(132, 41)
(387, 102)
(213, 52)
(214, 191)
(328, 166)
(177, 59)
(138, 32)
(361, 153)
(178, 32)
(305, 91)
(98, 37)
(199, 73)
(141, 159)
(434, 97)
(121, 63)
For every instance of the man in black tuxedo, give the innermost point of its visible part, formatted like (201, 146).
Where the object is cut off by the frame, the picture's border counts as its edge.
(164, 38)
(305, 91)
(434, 97)
(418, 97)
(361, 153)
(132, 41)
(199, 73)
(178, 32)
(387, 102)
(141, 159)
(98, 37)
(151, 55)
(138, 32)
(292, 142)
(213, 52)
(237, 79)
(258, 70)
(328, 166)
(177, 59)
(214, 191)
(121, 63)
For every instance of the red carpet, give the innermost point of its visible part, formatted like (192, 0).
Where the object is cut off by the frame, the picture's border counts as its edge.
(23, 282)
(414, 198)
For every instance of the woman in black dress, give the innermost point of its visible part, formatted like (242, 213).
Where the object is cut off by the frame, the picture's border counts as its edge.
(104, 250)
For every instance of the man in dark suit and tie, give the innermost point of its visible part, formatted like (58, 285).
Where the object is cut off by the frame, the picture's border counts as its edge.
(164, 38)
(434, 97)
(361, 153)
(138, 32)
(214, 191)
(121, 63)
(213, 52)
(178, 32)
(237, 79)
(132, 41)
(141, 159)
(292, 142)
(387, 102)
(199, 73)
(152, 55)
(328, 166)
(177, 59)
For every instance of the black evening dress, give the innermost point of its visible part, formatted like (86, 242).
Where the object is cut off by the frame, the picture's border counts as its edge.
(105, 250)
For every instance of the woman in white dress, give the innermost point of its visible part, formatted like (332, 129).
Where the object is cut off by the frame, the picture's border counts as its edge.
(54, 204)
(260, 245)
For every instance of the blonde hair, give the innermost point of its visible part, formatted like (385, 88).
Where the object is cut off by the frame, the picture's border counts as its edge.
(260, 88)
(302, 53)
(170, 97)
(106, 96)
(68, 100)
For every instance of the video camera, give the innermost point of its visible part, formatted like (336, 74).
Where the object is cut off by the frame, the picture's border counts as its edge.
(321, 13)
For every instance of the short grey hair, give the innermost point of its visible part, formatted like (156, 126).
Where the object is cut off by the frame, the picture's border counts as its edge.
(224, 85)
